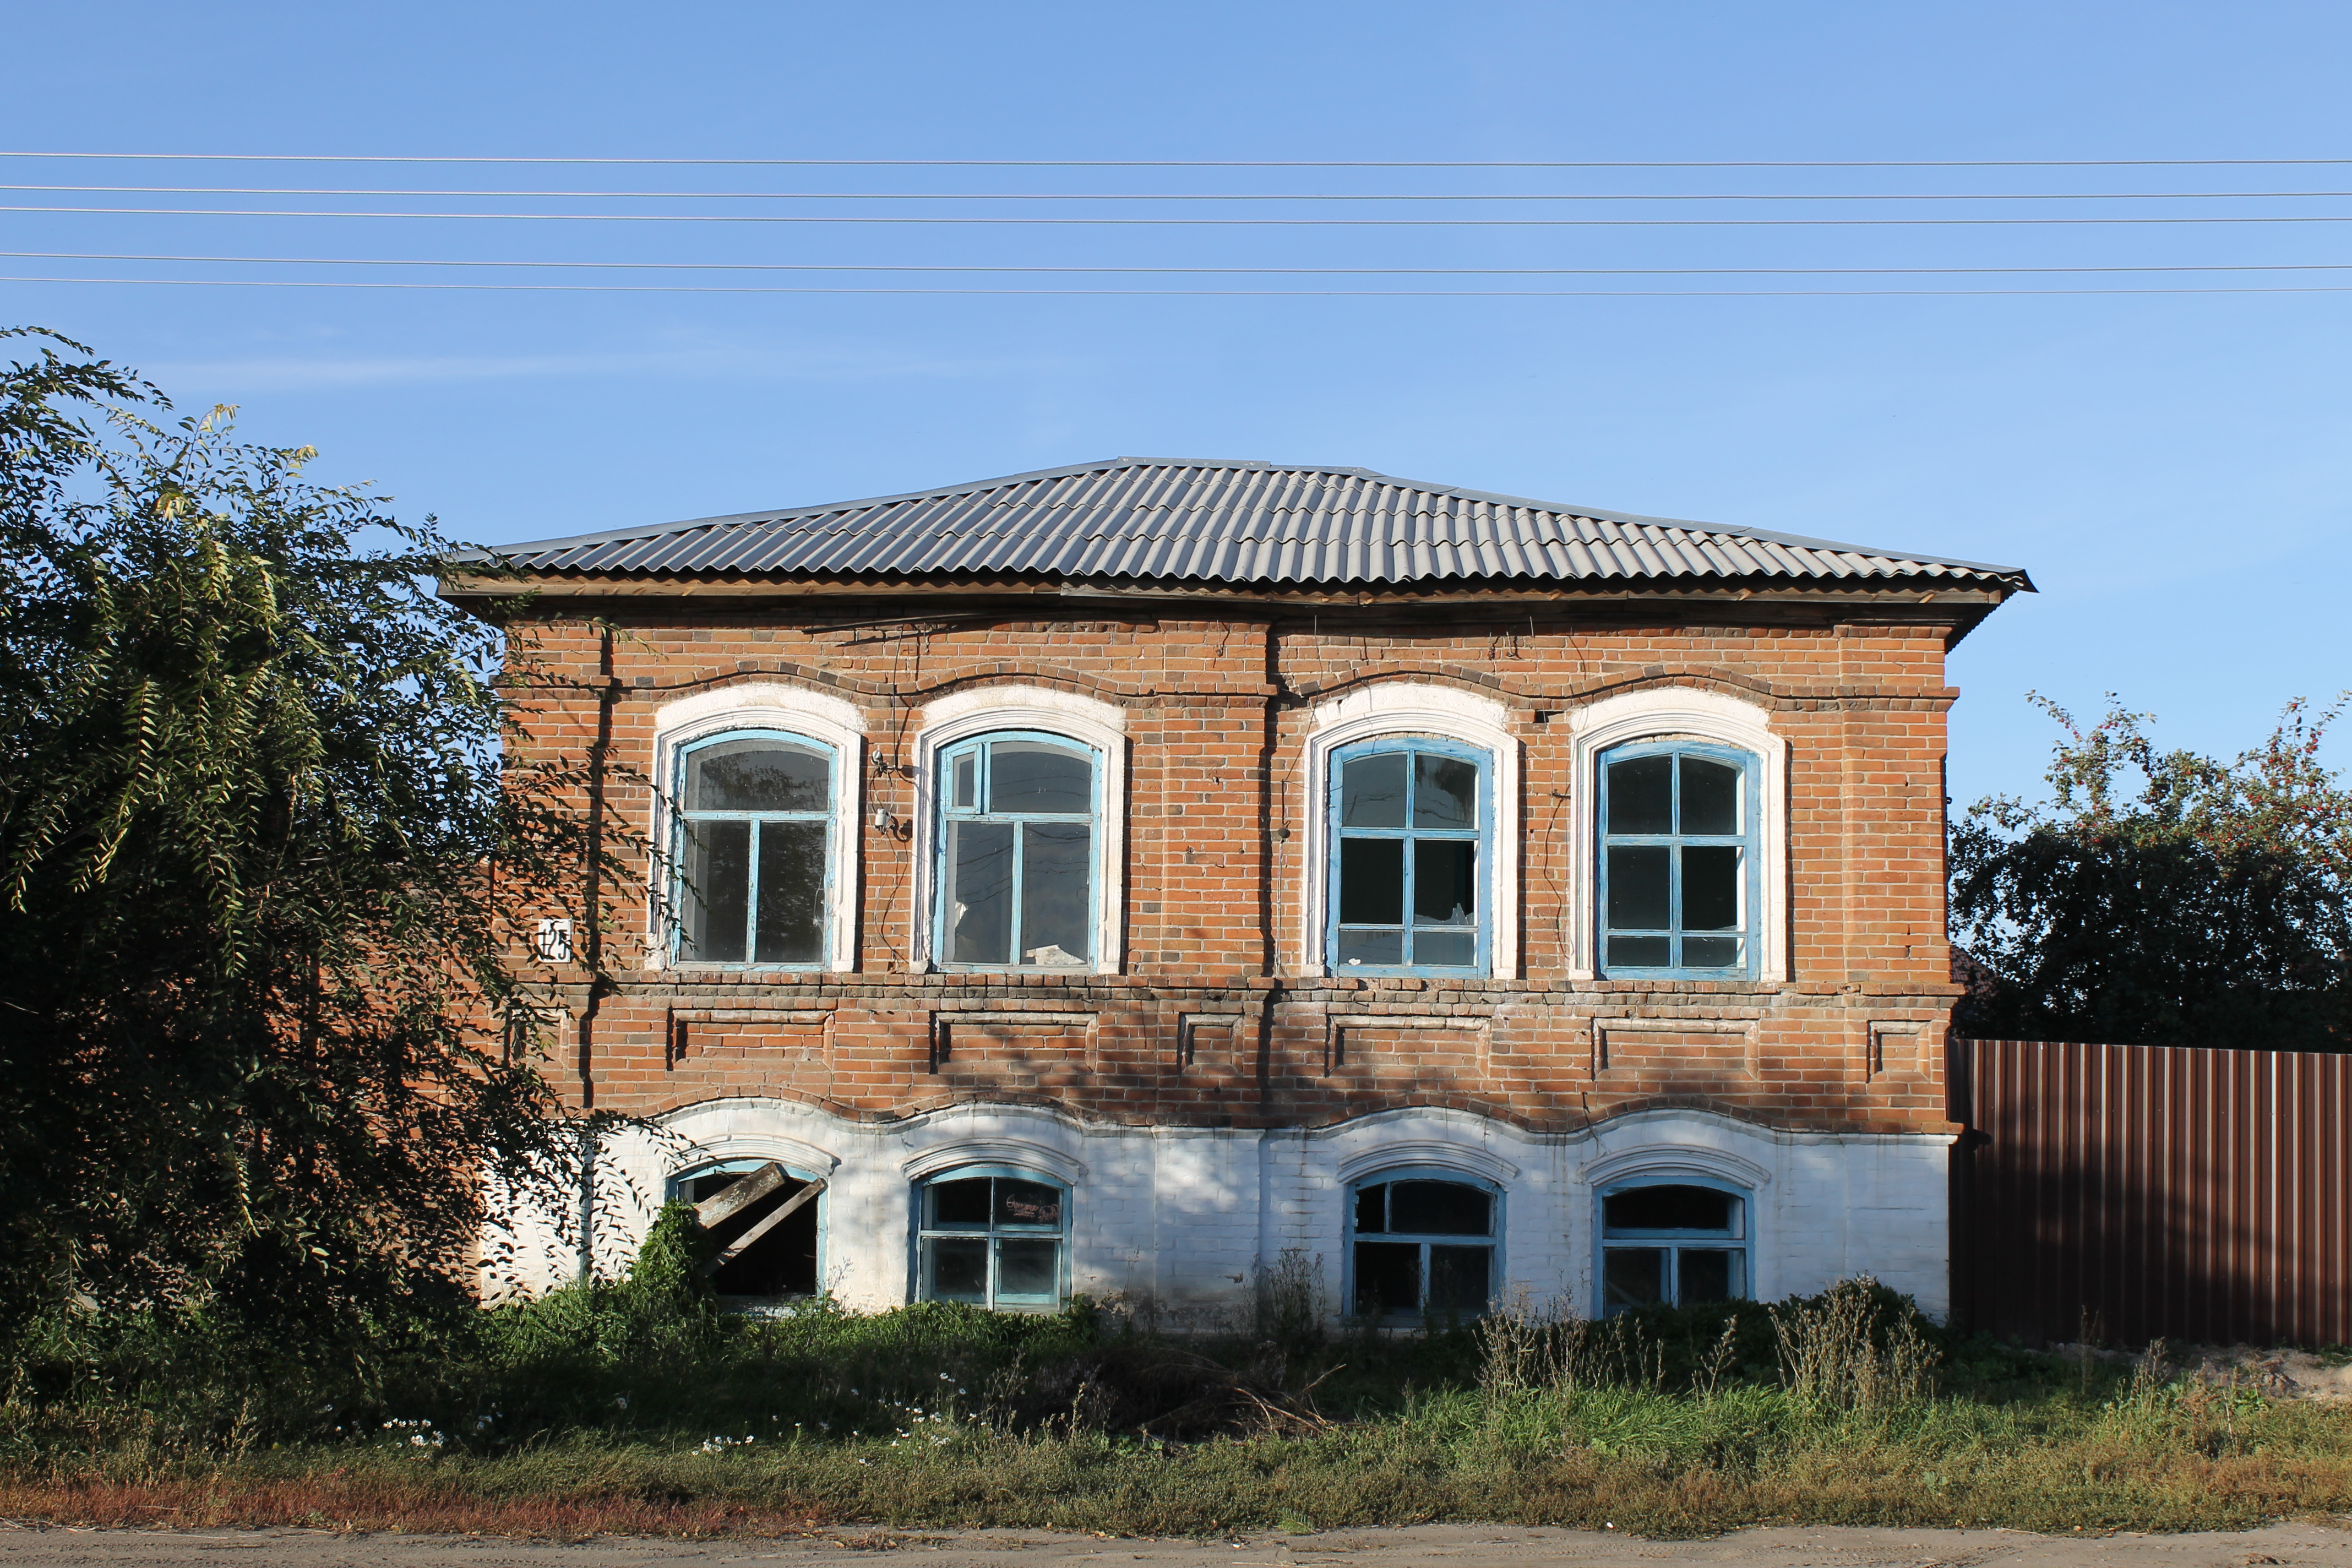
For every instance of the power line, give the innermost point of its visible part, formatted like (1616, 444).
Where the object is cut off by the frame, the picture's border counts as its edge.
(1210, 163)
(1202, 195)
(1215, 272)
(1260, 293)
(1202, 222)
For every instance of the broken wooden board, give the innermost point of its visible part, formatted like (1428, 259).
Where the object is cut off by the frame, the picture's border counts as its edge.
(784, 1212)
(719, 1207)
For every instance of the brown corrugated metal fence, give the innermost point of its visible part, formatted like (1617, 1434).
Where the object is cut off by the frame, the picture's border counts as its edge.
(2147, 1190)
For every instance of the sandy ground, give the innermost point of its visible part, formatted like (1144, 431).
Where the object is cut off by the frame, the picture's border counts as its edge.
(1423, 1546)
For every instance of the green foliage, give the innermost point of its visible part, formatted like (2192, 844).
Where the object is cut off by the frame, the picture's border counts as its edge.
(2163, 897)
(598, 1408)
(258, 857)
(666, 1273)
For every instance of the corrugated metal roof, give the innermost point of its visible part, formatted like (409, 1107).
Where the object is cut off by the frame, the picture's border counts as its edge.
(1169, 521)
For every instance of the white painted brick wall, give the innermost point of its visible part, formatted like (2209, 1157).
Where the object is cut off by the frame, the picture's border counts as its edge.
(1184, 1215)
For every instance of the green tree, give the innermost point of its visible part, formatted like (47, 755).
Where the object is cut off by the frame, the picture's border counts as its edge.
(2161, 897)
(261, 867)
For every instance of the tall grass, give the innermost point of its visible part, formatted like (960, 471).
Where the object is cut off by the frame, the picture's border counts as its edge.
(638, 1408)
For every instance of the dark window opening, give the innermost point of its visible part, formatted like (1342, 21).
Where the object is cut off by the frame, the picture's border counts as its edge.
(1423, 1247)
(781, 1263)
(1672, 1244)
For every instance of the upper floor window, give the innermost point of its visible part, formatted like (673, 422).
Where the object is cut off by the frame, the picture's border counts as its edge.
(1019, 816)
(755, 822)
(1410, 838)
(993, 1238)
(1678, 875)
(1672, 1245)
(1421, 1247)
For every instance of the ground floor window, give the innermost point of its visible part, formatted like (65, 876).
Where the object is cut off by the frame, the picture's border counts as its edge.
(1672, 1244)
(1421, 1247)
(994, 1239)
(769, 1244)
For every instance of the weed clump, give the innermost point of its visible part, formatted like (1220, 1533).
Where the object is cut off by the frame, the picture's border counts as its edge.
(639, 1405)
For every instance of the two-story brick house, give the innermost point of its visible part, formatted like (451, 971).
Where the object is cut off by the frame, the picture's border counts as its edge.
(1106, 878)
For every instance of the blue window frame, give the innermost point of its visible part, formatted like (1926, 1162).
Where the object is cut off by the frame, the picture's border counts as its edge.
(1019, 820)
(1678, 874)
(1412, 831)
(1423, 1244)
(992, 1236)
(754, 850)
(1673, 1244)
(788, 1260)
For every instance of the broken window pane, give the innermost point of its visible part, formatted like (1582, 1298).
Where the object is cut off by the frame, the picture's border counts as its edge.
(1388, 1278)
(1371, 791)
(1372, 1210)
(980, 892)
(1444, 881)
(1642, 796)
(782, 1262)
(718, 895)
(1057, 907)
(1711, 887)
(792, 894)
(1445, 792)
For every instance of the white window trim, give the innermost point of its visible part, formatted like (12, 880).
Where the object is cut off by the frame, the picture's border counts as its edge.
(764, 705)
(1019, 1154)
(961, 715)
(1655, 1163)
(1665, 713)
(1412, 708)
(1428, 1153)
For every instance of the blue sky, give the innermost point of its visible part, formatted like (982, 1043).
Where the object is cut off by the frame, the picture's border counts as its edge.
(2170, 467)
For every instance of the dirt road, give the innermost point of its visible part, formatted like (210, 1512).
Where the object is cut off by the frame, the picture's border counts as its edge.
(1426, 1546)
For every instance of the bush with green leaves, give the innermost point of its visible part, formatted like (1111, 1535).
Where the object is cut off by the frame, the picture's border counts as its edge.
(2161, 897)
(261, 871)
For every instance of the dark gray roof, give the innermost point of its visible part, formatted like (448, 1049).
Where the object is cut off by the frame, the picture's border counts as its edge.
(1232, 522)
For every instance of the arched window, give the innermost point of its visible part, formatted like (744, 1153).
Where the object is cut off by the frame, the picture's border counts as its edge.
(1678, 874)
(993, 1236)
(755, 824)
(1420, 1244)
(1672, 1244)
(1409, 839)
(1019, 812)
(782, 1258)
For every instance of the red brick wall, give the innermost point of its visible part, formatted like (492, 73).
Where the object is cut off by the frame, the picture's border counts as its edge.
(1210, 1022)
